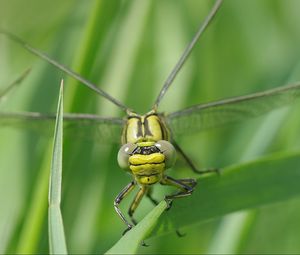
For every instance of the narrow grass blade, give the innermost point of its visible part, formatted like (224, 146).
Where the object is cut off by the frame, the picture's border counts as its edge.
(57, 243)
(31, 230)
(130, 242)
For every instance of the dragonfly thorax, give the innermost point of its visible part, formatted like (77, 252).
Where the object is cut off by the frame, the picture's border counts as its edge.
(144, 128)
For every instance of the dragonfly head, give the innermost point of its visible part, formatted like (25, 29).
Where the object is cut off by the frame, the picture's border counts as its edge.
(147, 160)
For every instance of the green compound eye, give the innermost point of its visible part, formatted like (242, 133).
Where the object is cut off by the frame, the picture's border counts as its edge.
(169, 152)
(124, 154)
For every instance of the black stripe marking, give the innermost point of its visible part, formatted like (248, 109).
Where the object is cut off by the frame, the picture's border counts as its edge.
(139, 128)
(146, 125)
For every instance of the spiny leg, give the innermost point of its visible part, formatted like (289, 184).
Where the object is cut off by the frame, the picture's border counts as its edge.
(191, 164)
(155, 202)
(192, 183)
(189, 181)
(135, 203)
(185, 185)
(119, 199)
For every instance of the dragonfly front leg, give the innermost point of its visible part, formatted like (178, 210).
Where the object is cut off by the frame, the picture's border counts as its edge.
(189, 181)
(186, 187)
(119, 199)
(155, 202)
(136, 201)
(191, 164)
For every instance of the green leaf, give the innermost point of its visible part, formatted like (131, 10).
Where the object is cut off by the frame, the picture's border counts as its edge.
(57, 243)
(130, 242)
(260, 182)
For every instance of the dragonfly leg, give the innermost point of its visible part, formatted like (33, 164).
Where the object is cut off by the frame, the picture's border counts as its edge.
(155, 202)
(149, 195)
(191, 164)
(189, 181)
(135, 203)
(186, 187)
(119, 199)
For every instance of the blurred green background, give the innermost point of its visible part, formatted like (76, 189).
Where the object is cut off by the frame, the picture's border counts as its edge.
(129, 48)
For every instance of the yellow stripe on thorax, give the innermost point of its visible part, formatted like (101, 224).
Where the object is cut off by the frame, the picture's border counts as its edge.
(154, 127)
(153, 158)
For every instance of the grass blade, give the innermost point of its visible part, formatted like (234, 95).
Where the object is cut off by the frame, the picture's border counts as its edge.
(57, 243)
(130, 242)
(257, 183)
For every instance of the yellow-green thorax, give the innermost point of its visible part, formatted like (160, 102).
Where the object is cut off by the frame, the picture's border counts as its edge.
(144, 140)
(145, 128)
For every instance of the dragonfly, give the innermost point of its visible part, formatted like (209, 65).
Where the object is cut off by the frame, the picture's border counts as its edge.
(148, 146)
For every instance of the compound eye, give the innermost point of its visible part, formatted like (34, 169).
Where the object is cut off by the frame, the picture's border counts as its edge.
(124, 153)
(169, 152)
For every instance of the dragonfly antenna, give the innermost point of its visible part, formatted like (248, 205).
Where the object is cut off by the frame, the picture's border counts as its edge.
(63, 68)
(187, 52)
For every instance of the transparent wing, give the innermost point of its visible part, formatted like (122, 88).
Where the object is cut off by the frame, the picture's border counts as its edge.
(210, 115)
(82, 126)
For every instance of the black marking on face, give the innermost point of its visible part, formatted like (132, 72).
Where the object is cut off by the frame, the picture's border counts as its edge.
(145, 150)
